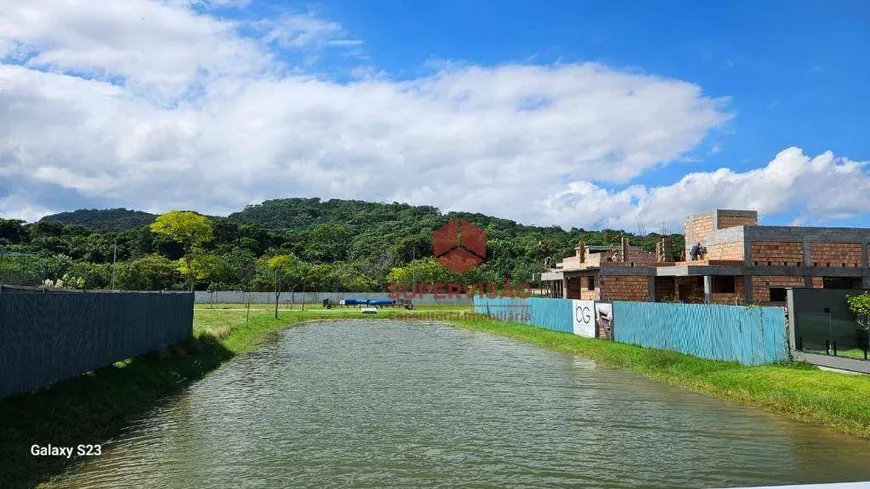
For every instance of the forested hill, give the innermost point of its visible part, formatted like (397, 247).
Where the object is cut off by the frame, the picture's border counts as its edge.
(112, 220)
(340, 245)
(303, 214)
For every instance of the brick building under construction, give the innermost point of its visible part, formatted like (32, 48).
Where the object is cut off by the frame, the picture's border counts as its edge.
(741, 262)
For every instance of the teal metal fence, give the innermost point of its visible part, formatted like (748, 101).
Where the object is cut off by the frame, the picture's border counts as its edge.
(50, 336)
(554, 314)
(749, 335)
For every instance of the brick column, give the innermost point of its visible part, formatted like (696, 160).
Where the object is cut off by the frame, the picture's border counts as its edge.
(625, 250)
(747, 288)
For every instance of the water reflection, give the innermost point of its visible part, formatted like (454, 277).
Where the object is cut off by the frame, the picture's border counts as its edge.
(392, 404)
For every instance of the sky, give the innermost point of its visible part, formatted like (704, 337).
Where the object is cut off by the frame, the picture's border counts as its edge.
(587, 114)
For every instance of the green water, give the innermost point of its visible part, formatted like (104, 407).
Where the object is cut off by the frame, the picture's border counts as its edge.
(412, 404)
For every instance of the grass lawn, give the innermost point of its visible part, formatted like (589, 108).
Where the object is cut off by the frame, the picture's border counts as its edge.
(94, 407)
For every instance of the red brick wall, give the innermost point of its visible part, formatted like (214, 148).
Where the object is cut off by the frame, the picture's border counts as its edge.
(585, 293)
(837, 254)
(761, 285)
(573, 288)
(624, 288)
(697, 231)
(725, 251)
(641, 256)
(731, 221)
(778, 253)
(738, 297)
(818, 283)
(665, 290)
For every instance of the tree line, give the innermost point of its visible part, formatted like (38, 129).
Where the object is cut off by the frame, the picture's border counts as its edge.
(335, 245)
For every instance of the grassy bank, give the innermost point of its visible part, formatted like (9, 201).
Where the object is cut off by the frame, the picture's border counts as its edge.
(799, 391)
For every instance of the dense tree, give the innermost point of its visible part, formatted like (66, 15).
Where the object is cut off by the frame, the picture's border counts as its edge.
(192, 231)
(12, 231)
(151, 272)
(328, 243)
(340, 245)
(425, 270)
(201, 266)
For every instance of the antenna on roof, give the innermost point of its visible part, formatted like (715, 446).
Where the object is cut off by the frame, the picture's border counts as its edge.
(664, 229)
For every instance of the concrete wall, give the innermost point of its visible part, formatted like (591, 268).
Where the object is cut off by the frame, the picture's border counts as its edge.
(288, 298)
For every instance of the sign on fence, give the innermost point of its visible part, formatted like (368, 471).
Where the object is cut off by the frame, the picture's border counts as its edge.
(584, 318)
(604, 319)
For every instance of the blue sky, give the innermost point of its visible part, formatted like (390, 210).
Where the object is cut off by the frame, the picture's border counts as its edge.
(636, 95)
(797, 72)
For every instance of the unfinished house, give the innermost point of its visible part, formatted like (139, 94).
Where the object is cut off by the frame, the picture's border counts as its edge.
(741, 262)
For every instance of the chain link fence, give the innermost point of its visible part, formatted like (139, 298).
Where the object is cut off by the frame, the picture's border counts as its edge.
(20, 269)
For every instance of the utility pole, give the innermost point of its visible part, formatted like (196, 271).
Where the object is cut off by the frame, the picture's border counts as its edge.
(277, 292)
(114, 262)
(413, 279)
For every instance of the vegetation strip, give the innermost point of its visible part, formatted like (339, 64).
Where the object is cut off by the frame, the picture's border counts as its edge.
(95, 407)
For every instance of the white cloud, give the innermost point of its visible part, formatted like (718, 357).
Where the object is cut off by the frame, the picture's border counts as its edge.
(161, 49)
(822, 187)
(205, 118)
(305, 30)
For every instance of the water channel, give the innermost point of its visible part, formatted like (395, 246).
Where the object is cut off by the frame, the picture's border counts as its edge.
(416, 404)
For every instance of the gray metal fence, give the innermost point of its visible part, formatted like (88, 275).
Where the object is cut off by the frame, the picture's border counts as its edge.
(289, 298)
(47, 336)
